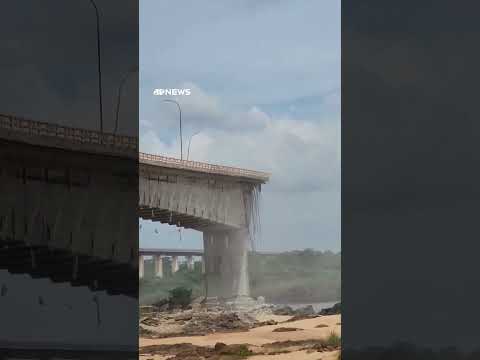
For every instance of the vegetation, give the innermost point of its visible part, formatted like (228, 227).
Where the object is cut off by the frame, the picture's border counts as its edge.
(333, 340)
(152, 289)
(291, 277)
(296, 277)
(238, 351)
(180, 296)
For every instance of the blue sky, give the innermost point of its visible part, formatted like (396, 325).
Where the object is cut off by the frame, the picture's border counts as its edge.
(265, 80)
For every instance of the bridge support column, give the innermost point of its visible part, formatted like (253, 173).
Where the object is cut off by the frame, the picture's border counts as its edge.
(203, 264)
(226, 261)
(174, 264)
(158, 261)
(140, 266)
(190, 264)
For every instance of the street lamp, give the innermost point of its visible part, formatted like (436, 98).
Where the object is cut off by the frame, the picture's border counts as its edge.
(189, 142)
(119, 96)
(99, 65)
(180, 113)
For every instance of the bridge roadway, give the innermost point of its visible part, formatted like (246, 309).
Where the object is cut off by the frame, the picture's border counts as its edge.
(187, 252)
(72, 197)
(170, 252)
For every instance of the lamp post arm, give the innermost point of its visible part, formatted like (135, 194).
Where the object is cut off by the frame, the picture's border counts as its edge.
(189, 142)
(99, 64)
(181, 137)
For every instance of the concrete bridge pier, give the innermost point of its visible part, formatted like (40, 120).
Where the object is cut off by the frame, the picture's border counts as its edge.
(226, 261)
(174, 264)
(158, 266)
(190, 264)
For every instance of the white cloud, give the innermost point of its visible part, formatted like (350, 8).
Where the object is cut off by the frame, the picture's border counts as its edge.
(301, 155)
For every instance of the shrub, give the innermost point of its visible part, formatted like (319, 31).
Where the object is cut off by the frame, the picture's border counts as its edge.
(333, 339)
(180, 296)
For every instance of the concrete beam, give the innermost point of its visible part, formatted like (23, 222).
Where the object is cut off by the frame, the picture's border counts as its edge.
(174, 264)
(190, 264)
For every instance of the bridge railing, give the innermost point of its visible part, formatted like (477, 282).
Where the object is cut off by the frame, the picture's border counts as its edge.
(204, 167)
(38, 128)
(32, 128)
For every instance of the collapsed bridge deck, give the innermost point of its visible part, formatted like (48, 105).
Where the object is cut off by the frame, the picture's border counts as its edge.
(196, 195)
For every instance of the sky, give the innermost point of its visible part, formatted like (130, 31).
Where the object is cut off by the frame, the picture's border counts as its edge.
(265, 80)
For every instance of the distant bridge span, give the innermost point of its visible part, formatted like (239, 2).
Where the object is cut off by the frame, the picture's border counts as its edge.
(188, 252)
(158, 254)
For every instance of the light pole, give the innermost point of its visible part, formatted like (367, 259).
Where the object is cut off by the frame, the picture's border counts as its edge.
(189, 142)
(119, 96)
(99, 65)
(180, 113)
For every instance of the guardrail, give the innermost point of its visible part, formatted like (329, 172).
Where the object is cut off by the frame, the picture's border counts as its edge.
(84, 136)
(204, 167)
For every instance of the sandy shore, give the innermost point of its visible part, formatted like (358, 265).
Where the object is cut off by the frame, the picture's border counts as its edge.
(295, 355)
(298, 355)
(264, 335)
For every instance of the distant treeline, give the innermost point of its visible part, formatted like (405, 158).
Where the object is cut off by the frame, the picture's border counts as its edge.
(290, 277)
(299, 276)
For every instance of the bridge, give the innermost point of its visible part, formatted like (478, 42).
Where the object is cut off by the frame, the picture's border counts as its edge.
(68, 209)
(219, 201)
(159, 254)
(72, 198)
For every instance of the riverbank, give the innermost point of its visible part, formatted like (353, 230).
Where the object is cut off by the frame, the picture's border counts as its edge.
(273, 337)
(304, 276)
